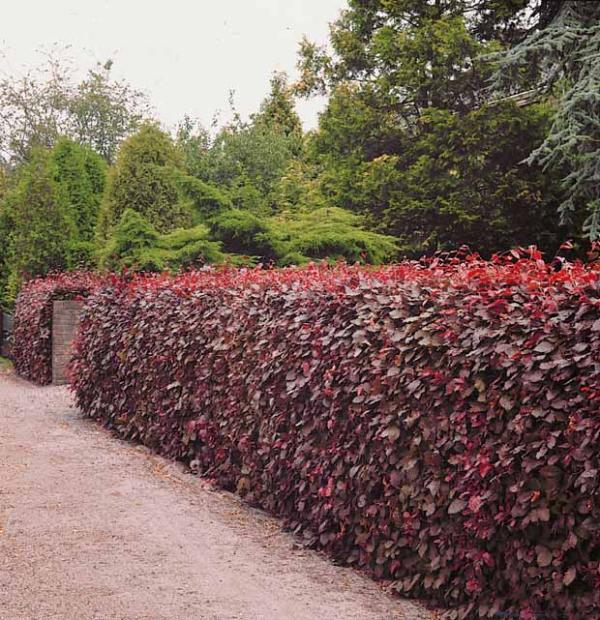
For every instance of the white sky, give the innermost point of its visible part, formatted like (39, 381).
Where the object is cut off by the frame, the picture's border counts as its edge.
(185, 54)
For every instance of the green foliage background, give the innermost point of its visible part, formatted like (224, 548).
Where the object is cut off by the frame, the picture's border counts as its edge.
(414, 152)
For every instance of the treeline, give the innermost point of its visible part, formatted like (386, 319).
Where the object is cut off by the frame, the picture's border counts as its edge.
(413, 153)
(161, 202)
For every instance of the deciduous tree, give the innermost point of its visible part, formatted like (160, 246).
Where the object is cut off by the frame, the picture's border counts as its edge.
(48, 102)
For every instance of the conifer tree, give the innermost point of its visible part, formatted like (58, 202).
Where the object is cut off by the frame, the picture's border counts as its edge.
(278, 109)
(41, 232)
(145, 179)
(82, 174)
(561, 58)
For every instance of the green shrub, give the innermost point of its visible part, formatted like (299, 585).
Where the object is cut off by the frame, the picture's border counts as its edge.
(137, 245)
(297, 238)
(242, 232)
(189, 247)
(330, 233)
(207, 200)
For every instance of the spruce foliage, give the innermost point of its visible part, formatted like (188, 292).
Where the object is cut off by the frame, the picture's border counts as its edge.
(562, 59)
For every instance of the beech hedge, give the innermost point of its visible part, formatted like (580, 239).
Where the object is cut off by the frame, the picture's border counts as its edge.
(32, 335)
(434, 423)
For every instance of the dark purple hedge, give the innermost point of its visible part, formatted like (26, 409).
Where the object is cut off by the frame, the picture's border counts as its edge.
(32, 336)
(436, 425)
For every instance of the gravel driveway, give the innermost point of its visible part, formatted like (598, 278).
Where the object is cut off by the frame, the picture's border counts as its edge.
(92, 527)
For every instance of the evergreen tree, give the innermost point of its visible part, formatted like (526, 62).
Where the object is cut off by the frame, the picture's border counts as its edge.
(41, 230)
(244, 233)
(463, 182)
(5, 229)
(278, 110)
(129, 244)
(561, 58)
(406, 139)
(145, 179)
(405, 56)
(82, 174)
(329, 233)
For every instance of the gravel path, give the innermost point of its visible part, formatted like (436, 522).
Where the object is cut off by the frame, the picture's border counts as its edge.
(95, 528)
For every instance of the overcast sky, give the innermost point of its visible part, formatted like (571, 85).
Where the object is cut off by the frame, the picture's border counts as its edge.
(185, 54)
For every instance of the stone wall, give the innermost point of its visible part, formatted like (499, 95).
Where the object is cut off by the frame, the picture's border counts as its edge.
(65, 320)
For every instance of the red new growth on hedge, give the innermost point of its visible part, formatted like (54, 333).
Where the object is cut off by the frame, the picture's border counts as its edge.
(32, 338)
(434, 424)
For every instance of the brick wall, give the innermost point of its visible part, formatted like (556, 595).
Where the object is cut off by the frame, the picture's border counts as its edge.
(6, 324)
(65, 319)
